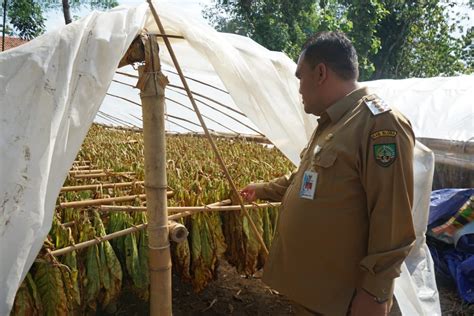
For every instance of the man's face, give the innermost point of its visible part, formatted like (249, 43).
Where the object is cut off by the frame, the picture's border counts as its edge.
(308, 86)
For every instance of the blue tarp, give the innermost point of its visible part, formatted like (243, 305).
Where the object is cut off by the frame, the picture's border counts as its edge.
(455, 262)
(445, 203)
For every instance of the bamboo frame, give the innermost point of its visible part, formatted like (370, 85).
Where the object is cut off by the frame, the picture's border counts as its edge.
(187, 211)
(152, 84)
(203, 124)
(118, 199)
(95, 187)
(81, 167)
(177, 230)
(192, 209)
(167, 116)
(86, 171)
(102, 174)
(200, 101)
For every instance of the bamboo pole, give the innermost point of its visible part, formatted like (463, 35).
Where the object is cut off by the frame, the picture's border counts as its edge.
(118, 199)
(152, 84)
(82, 162)
(102, 175)
(449, 146)
(85, 203)
(95, 187)
(176, 230)
(193, 209)
(87, 171)
(203, 124)
(81, 167)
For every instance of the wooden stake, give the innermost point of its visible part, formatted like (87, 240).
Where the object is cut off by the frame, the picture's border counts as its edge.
(206, 131)
(152, 83)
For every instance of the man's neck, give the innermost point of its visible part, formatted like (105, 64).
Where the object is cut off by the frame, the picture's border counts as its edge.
(341, 90)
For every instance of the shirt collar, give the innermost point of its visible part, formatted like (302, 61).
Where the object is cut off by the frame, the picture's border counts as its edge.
(338, 109)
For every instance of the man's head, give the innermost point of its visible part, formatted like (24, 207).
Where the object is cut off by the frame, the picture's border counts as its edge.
(327, 69)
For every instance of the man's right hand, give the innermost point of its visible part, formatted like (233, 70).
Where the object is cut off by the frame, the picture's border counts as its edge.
(248, 193)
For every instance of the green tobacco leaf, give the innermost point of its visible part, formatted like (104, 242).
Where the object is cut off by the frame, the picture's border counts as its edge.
(48, 280)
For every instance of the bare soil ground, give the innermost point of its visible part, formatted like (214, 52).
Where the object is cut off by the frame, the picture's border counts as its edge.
(233, 294)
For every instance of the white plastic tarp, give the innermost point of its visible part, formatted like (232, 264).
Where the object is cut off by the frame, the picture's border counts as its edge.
(52, 87)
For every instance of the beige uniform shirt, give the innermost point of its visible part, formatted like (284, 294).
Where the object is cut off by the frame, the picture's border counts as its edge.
(357, 230)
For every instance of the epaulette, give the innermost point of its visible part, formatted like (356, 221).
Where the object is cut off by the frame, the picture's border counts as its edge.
(376, 105)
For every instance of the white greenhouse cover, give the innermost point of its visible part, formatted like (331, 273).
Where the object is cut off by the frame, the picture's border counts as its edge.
(52, 88)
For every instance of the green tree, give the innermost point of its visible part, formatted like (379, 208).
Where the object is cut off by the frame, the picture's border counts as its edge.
(281, 25)
(22, 17)
(394, 38)
(468, 50)
(27, 16)
(410, 38)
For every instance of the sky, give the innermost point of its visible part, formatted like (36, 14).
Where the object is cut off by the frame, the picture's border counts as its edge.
(55, 19)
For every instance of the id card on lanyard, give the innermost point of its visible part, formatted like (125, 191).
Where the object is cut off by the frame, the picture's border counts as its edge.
(310, 180)
(308, 186)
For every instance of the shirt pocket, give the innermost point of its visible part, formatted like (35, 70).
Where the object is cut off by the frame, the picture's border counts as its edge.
(324, 163)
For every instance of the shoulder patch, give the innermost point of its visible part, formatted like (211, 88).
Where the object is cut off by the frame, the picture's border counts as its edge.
(385, 154)
(383, 133)
(376, 105)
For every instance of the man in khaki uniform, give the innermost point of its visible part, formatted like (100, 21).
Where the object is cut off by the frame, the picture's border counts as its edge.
(345, 225)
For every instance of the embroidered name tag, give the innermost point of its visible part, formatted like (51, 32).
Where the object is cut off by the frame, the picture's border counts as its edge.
(383, 133)
(308, 185)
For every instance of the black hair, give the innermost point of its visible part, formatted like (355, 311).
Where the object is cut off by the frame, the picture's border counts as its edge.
(335, 50)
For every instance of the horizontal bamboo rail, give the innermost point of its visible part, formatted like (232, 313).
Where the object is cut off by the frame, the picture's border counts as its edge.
(88, 167)
(89, 175)
(85, 203)
(83, 162)
(178, 232)
(192, 209)
(102, 174)
(97, 240)
(449, 146)
(86, 171)
(96, 187)
(218, 206)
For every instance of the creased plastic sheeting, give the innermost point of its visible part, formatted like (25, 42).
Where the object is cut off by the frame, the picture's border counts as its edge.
(440, 107)
(415, 290)
(50, 91)
(52, 88)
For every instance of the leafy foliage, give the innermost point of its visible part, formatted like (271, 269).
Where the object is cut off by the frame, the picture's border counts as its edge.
(281, 25)
(394, 38)
(27, 16)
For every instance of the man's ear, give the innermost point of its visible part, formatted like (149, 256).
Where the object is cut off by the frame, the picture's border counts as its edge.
(320, 73)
